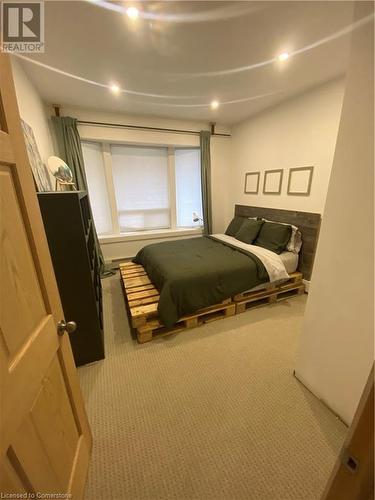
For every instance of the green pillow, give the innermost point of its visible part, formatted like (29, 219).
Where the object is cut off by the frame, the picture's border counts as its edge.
(249, 230)
(274, 236)
(234, 225)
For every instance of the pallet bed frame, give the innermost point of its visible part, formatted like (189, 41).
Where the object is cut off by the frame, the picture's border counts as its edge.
(142, 299)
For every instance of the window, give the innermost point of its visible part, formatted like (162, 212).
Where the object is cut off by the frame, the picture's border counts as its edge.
(94, 166)
(188, 186)
(138, 188)
(140, 176)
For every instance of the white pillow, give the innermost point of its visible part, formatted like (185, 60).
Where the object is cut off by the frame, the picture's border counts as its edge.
(295, 242)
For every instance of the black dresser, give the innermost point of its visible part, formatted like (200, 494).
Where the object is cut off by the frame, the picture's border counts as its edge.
(70, 235)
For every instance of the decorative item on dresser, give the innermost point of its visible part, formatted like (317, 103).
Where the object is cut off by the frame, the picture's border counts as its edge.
(40, 171)
(62, 173)
(71, 241)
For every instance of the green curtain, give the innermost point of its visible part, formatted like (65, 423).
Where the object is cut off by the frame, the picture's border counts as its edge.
(70, 150)
(205, 139)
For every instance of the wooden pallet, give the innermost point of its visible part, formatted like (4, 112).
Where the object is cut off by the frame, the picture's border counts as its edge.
(142, 299)
(270, 294)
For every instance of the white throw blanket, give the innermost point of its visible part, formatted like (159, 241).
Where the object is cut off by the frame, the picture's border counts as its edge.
(271, 261)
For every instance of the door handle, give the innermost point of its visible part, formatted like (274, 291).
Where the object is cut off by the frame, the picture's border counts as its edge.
(68, 327)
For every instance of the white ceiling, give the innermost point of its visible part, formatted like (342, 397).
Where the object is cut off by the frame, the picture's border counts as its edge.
(190, 50)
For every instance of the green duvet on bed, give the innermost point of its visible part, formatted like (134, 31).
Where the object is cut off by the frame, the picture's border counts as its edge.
(198, 272)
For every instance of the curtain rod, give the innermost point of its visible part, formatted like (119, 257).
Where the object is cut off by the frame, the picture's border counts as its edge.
(144, 127)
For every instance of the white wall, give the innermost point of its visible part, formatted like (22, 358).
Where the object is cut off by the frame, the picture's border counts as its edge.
(220, 164)
(299, 132)
(33, 111)
(337, 343)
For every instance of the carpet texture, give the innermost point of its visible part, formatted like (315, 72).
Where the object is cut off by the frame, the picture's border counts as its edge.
(210, 413)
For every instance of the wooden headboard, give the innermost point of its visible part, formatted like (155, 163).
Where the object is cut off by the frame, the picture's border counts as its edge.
(308, 223)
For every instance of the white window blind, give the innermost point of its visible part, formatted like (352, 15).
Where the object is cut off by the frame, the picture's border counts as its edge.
(97, 187)
(188, 186)
(140, 176)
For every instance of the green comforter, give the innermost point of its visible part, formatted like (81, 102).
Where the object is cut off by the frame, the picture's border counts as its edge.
(198, 272)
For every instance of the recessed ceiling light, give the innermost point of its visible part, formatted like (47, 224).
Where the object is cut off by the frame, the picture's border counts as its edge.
(214, 104)
(115, 88)
(283, 56)
(132, 12)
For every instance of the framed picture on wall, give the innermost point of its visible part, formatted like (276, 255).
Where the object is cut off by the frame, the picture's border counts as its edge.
(273, 180)
(300, 180)
(252, 180)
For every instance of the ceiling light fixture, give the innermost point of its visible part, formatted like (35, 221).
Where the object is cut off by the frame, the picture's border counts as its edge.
(283, 56)
(214, 104)
(115, 88)
(132, 12)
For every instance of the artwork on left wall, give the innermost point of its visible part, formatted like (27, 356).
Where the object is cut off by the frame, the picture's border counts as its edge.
(40, 171)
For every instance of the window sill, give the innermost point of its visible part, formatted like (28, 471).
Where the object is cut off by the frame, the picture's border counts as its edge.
(149, 235)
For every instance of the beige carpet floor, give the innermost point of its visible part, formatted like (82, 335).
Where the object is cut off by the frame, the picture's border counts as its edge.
(211, 413)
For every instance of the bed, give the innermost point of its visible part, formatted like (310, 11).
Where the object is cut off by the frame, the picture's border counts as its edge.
(180, 284)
